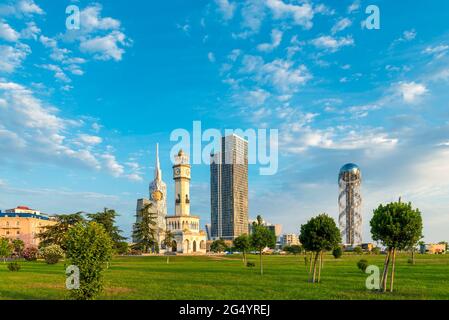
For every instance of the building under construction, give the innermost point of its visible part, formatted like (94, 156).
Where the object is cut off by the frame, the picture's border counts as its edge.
(350, 204)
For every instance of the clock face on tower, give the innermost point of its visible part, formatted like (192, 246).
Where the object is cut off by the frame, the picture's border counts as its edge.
(156, 195)
(177, 171)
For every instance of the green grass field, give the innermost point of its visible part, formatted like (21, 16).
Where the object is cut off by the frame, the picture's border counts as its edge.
(225, 277)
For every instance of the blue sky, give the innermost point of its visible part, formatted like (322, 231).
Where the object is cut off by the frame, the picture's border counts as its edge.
(81, 111)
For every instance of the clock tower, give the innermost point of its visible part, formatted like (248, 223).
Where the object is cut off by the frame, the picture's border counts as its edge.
(188, 237)
(181, 175)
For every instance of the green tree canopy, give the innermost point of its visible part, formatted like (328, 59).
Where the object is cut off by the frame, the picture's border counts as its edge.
(18, 246)
(107, 219)
(56, 234)
(5, 249)
(397, 226)
(218, 246)
(243, 243)
(144, 232)
(317, 235)
(261, 238)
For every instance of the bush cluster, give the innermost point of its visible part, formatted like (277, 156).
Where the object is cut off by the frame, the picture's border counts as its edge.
(52, 254)
(13, 266)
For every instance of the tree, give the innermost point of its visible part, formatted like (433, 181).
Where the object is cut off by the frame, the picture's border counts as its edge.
(52, 254)
(89, 247)
(168, 242)
(18, 246)
(56, 234)
(242, 243)
(218, 246)
(107, 219)
(396, 225)
(294, 249)
(261, 238)
(317, 235)
(145, 230)
(5, 249)
(337, 252)
(121, 248)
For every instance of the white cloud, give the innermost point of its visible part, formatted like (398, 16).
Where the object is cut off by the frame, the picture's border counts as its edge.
(253, 14)
(354, 6)
(411, 91)
(226, 8)
(11, 58)
(57, 54)
(184, 27)
(31, 31)
(28, 7)
(332, 44)
(112, 165)
(301, 14)
(437, 51)
(211, 57)
(58, 72)
(276, 38)
(21, 8)
(409, 35)
(341, 25)
(283, 75)
(91, 20)
(32, 131)
(89, 139)
(106, 47)
(100, 36)
(7, 32)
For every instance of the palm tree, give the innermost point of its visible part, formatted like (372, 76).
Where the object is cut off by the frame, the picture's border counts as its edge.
(145, 230)
(168, 242)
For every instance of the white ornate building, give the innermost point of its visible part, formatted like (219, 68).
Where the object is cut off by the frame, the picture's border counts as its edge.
(158, 199)
(189, 239)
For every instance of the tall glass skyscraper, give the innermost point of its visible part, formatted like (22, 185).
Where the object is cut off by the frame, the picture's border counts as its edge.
(229, 189)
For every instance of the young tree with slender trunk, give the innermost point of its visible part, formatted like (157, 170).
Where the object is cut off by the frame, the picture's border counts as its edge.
(168, 242)
(397, 226)
(5, 249)
(318, 235)
(262, 238)
(243, 244)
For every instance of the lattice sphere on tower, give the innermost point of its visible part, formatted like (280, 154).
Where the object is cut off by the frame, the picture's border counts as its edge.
(350, 204)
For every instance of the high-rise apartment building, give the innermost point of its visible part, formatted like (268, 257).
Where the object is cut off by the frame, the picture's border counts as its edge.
(229, 188)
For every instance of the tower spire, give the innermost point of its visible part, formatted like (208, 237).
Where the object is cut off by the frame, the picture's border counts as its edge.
(157, 170)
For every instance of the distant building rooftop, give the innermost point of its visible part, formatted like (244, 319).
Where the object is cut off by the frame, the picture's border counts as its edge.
(23, 212)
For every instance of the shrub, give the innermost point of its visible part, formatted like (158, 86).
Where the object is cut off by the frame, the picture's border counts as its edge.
(30, 254)
(52, 254)
(89, 247)
(362, 265)
(337, 252)
(250, 264)
(376, 250)
(358, 250)
(122, 248)
(13, 266)
(135, 252)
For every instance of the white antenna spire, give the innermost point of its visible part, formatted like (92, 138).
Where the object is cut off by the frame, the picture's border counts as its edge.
(157, 170)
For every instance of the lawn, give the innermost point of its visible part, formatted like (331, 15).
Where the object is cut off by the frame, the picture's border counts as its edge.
(225, 277)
